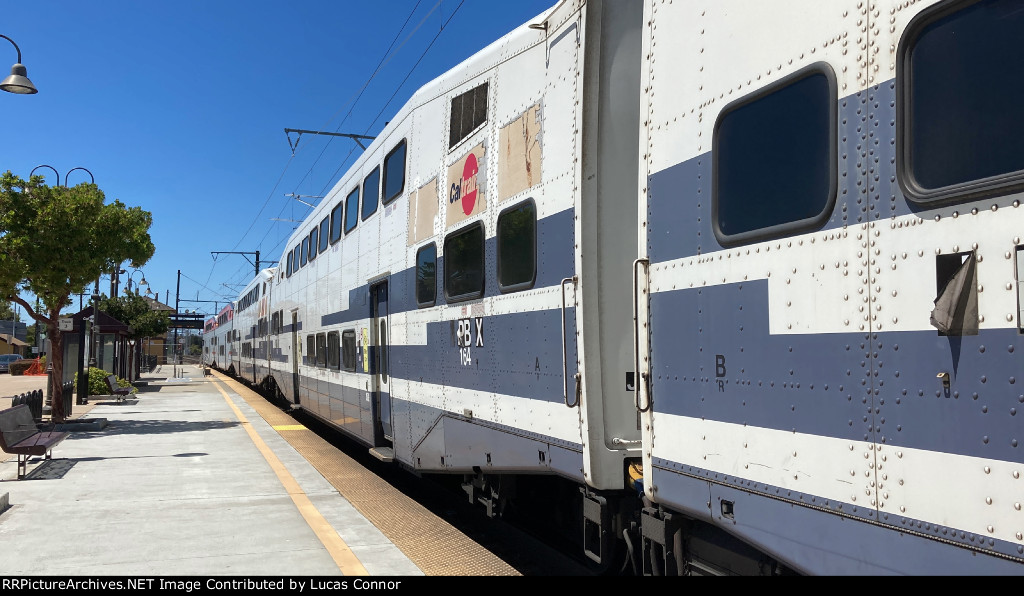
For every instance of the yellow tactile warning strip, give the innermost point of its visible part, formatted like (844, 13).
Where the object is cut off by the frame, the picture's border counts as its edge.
(431, 543)
(343, 556)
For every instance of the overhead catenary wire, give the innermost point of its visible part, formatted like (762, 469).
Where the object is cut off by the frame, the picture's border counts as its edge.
(386, 58)
(388, 55)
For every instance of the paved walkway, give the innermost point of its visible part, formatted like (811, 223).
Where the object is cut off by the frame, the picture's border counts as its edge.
(186, 479)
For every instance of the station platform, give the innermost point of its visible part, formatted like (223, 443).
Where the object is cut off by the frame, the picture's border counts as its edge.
(196, 475)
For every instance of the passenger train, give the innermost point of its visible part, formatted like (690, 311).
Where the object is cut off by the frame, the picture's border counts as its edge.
(745, 276)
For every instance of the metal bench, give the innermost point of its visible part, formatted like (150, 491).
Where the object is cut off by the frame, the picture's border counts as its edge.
(20, 436)
(116, 390)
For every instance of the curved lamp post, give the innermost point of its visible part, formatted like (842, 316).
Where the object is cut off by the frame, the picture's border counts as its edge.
(17, 81)
(92, 178)
(142, 282)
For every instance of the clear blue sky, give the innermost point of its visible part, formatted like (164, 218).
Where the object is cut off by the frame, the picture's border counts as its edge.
(179, 107)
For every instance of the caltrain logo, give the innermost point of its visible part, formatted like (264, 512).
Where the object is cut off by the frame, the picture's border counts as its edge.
(466, 189)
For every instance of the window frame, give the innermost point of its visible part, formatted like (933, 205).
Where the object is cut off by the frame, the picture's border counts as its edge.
(477, 225)
(416, 277)
(354, 193)
(374, 173)
(314, 243)
(338, 213)
(461, 98)
(325, 230)
(790, 227)
(321, 349)
(523, 285)
(999, 184)
(345, 335)
(333, 350)
(385, 169)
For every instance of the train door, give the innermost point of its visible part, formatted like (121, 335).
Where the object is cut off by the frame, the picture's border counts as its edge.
(379, 335)
(295, 357)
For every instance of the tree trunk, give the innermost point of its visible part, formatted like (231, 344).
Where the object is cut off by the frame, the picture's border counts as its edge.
(56, 360)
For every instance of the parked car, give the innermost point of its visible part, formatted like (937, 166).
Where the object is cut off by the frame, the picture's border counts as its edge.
(6, 360)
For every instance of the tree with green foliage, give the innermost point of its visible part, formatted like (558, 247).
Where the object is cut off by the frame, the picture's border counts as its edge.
(55, 240)
(133, 310)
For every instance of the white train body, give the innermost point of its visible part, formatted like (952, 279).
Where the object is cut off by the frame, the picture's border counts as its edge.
(497, 364)
(799, 395)
(691, 257)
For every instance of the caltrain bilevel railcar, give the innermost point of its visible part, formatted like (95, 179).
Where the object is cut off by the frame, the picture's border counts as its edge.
(220, 339)
(459, 301)
(250, 321)
(829, 295)
(209, 341)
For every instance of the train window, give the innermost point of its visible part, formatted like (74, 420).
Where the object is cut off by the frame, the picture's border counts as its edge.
(321, 350)
(517, 247)
(337, 217)
(333, 350)
(760, 192)
(426, 275)
(371, 192)
(394, 173)
(469, 111)
(325, 226)
(960, 129)
(311, 350)
(313, 242)
(352, 210)
(295, 259)
(288, 262)
(348, 350)
(464, 264)
(305, 248)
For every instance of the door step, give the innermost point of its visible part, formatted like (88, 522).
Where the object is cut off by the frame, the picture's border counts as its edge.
(384, 454)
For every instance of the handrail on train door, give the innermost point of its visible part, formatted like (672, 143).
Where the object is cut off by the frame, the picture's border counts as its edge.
(565, 358)
(640, 378)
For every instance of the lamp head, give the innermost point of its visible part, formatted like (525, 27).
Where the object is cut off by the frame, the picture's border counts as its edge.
(17, 81)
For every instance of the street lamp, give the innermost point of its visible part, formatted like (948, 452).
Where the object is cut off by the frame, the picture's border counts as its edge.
(17, 81)
(142, 282)
(92, 178)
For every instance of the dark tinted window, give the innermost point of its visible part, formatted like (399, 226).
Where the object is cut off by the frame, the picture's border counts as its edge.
(337, 217)
(774, 158)
(371, 192)
(517, 247)
(464, 264)
(289, 259)
(305, 249)
(394, 173)
(333, 350)
(469, 110)
(961, 87)
(313, 243)
(325, 227)
(348, 350)
(426, 275)
(310, 350)
(352, 210)
(321, 349)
